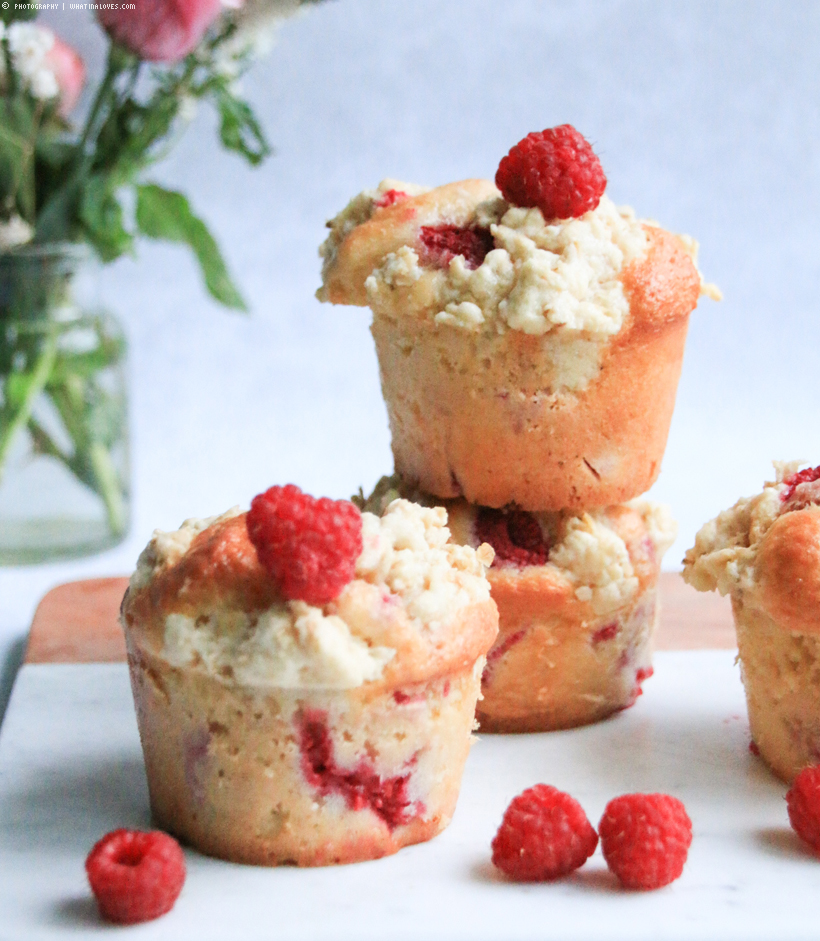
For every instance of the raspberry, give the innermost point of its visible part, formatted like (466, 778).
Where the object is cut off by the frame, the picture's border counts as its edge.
(444, 242)
(390, 197)
(807, 476)
(803, 802)
(545, 834)
(497, 652)
(135, 876)
(645, 839)
(361, 787)
(515, 535)
(309, 546)
(555, 170)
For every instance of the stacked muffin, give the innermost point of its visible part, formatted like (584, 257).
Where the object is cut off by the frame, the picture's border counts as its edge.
(530, 338)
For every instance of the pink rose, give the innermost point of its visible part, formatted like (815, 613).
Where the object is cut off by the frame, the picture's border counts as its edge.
(161, 30)
(69, 71)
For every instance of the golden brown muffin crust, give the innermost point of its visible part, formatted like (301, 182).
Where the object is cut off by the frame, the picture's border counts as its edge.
(787, 571)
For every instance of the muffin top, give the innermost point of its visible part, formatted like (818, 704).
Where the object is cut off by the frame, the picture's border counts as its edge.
(598, 561)
(461, 255)
(766, 549)
(416, 607)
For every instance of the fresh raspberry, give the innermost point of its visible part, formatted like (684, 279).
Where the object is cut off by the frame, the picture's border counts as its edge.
(803, 802)
(545, 834)
(807, 476)
(645, 839)
(390, 197)
(443, 242)
(309, 546)
(135, 876)
(555, 170)
(515, 535)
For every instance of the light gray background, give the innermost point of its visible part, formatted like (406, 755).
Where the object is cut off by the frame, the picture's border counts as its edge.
(706, 118)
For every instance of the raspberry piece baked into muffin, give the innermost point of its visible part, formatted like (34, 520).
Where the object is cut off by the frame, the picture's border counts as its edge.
(282, 730)
(765, 553)
(577, 604)
(525, 358)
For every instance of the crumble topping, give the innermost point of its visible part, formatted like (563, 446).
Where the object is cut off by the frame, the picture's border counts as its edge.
(538, 277)
(723, 556)
(407, 560)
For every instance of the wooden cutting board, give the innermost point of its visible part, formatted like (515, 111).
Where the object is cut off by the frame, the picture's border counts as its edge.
(78, 622)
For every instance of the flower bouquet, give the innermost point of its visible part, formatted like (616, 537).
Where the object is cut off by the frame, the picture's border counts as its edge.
(70, 191)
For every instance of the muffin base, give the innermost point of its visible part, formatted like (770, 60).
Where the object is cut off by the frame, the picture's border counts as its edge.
(781, 677)
(475, 416)
(503, 418)
(550, 671)
(300, 777)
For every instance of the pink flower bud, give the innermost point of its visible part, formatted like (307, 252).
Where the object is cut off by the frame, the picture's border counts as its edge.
(161, 30)
(69, 71)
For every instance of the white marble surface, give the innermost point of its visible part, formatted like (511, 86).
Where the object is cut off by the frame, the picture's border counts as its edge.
(706, 118)
(71, 769)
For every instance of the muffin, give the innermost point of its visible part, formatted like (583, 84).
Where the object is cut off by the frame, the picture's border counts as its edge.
(577, 603)
(524, 359)
(765, 553)
(280, 731)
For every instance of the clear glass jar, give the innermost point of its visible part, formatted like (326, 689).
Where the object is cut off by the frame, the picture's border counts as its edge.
(63, 411)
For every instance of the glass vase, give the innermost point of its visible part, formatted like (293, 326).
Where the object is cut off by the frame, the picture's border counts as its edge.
(63, 411)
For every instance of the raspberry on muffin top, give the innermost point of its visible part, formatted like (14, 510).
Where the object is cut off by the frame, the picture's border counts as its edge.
(208, 599)
(544, 250)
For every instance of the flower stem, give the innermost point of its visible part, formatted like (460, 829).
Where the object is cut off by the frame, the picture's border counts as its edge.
(39, 377)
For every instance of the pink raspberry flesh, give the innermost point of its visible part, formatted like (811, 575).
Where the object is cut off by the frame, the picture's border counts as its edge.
(807, 476)
(443, 242)
(309, 546)
(515, 535)
(555, 171)
(645, 839)
(135, 876)
(803, 803)
(544, 835)
(361, 787)
(389, 198)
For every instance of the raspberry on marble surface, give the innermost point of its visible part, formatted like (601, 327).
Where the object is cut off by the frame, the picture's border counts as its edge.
(135, 876)
(803, 802)
(645, 839)
(544, 835)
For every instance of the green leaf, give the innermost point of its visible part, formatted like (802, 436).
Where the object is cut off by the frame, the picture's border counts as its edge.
(102, 217)
(239, 130)
(16, 11)
(165, 214)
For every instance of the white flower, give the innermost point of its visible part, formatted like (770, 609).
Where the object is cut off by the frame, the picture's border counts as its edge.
(188, 107)
(13, 232)
(43, 84)
(256, 24)
(29, 46)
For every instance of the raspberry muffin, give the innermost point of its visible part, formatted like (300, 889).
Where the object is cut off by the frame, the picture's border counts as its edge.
(577, 604)
(765, 553)
(519, 325)
(306, 676)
